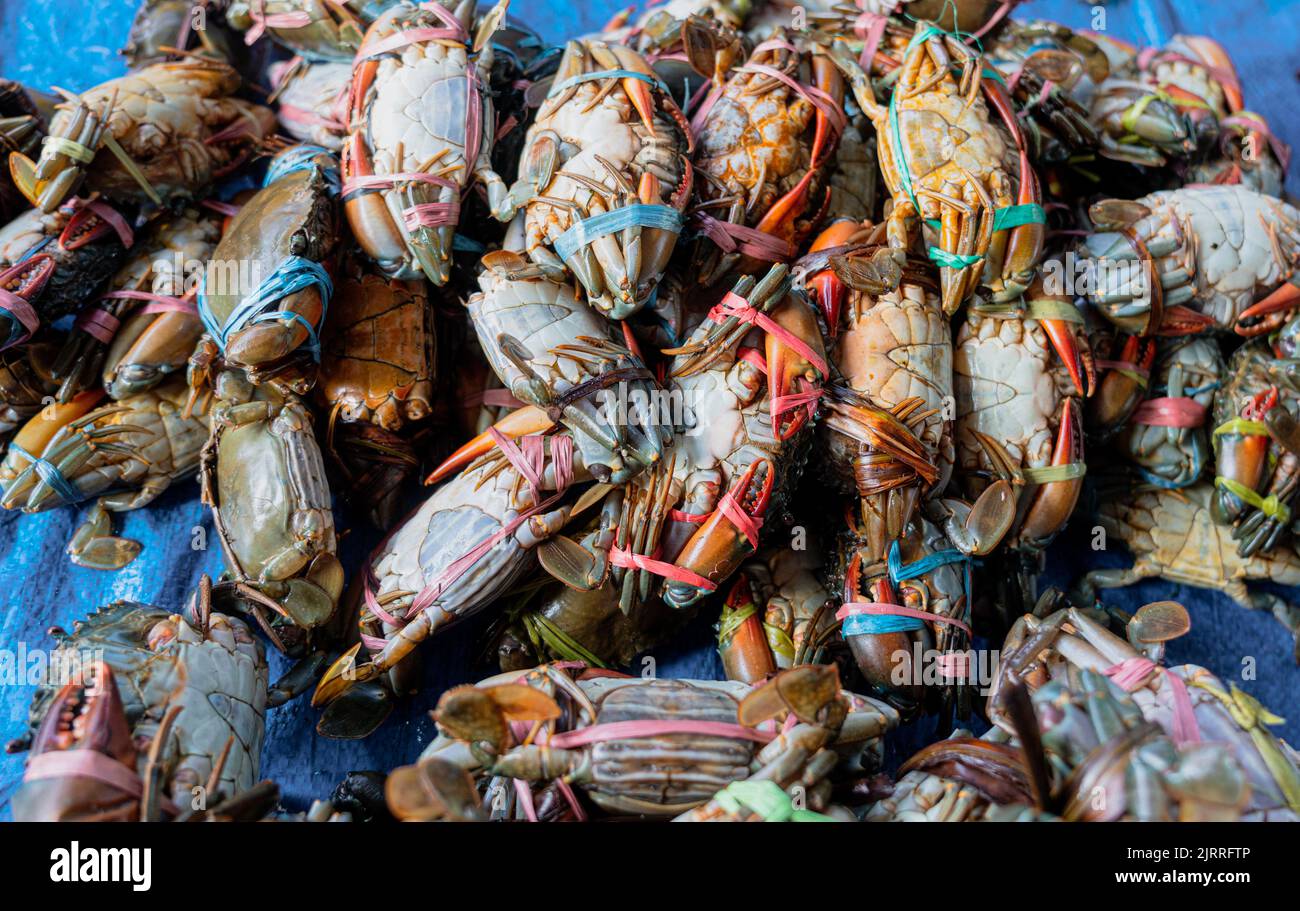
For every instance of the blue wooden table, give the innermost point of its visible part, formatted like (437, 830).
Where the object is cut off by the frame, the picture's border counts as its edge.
(73, 43)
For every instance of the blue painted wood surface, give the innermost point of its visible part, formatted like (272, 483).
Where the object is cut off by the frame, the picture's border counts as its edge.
(73, 44)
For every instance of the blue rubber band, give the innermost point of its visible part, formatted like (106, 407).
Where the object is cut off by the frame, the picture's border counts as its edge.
(879, 624)
(293, 274)
(51, 475)
(569, 83)
(639, 215)
(303, 158)
(901, 572)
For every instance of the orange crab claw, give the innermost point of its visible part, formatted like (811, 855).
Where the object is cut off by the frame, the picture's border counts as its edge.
(742, 642)
(639, 94)
(36, 434)
(1251, 322)
(84, 227)
(1065, 343)
(790, 371)
(827, 77)
(1120, 390)
(1054, 501)
(719, 546)
(780, 219)
(518, 423)
(1241, 457)
(826, 288)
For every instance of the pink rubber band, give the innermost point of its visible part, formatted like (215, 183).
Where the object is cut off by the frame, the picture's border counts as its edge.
(870, 27)
(1130, 674)
(493, 398)
(694, 518)
(261, 21)
(295, 114)
(627, 730)
(622, 558)
(810, 93)
(23, 312)
(222, 208)
(98, 323)
(733, 304)
(111, 216)
(730, 238)
(881, 609)
(753, 356)
(88, 763)
(746, 524)
(1170, 412)
(525, 792)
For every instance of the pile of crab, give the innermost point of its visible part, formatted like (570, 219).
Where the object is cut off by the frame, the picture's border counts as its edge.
(792, 325)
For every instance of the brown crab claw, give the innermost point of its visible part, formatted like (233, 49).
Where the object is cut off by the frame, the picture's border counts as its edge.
(367, 213)
(1054, 501)
(432, 790)
(1241, 458)
(1024, 242)
(341, 676)
(83, 716)
(1120, 390)
(273, 340)
(806, 691)
(1253, 322)
(742, 643)
(482, 714)
(719, 546)
(518, 423)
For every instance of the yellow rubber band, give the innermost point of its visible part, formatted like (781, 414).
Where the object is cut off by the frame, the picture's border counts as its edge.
(74, 150)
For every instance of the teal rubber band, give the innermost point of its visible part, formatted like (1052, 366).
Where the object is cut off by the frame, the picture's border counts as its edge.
(954, 260)
(879, 624)
(639, 215)
(1030, 213)
(569, 83)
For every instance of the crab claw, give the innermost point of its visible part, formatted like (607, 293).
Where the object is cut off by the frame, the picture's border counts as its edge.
(482, 714)
(1061, 333)
(809, 692)
(432, 790)
(794, 376)
(87, 717)
(85, 227)
(1054, 501)
(25, 280)
(719, 545)
(341, 676)
(827, 289)
(1120, 390)
(518, 423)
(43, 194)
(1252, 320)
(1242, 458)
(742, 644)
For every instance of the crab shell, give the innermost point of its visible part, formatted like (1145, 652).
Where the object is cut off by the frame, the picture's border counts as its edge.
(378, 352)
(212, 678)
(265, 479)
(177, 121)
(1175, 456)
(595, 149)
(1216, 249)
(411, 111)
(310, 101)
(149, 346)
(295, 216)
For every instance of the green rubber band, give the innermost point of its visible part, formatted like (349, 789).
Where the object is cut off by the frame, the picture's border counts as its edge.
(731, 619)
(1030, 213)
(557, 641)
(779, 641)
(766, 798)
(1049, 474)
(1242, 427)
(1049, 308)
(1270, 506)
